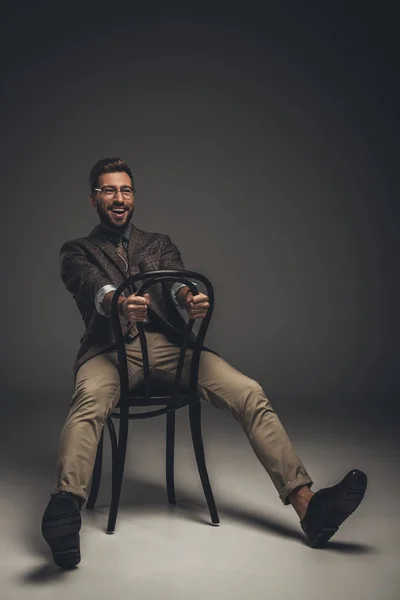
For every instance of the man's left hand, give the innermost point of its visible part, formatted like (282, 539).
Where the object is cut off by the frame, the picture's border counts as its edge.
(197, 306)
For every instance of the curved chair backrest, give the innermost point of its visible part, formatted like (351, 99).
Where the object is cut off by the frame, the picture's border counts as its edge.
(149, 279)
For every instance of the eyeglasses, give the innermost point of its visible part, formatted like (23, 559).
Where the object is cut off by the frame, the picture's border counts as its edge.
(109, 191)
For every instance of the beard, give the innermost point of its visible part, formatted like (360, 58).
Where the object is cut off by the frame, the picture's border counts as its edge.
(109, 222)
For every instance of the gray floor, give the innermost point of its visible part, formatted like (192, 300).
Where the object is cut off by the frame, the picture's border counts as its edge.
(257, 552)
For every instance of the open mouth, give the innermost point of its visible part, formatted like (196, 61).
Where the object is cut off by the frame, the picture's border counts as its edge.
(118, 212)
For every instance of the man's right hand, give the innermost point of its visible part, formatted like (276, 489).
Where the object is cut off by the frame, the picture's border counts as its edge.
(134, 308)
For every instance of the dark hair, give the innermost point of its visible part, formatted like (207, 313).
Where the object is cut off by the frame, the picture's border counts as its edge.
(108, 165)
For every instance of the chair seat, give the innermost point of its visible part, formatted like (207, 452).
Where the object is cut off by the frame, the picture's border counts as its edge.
(161, 388)
(161, 384)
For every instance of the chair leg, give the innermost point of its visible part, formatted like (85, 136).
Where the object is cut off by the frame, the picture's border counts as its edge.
(114, 445)
(195, 427)
(118, 473)
(96, 477)
(169, 454)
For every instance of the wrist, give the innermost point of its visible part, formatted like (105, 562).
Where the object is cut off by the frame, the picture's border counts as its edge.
(121, 302)
(181, 296)
(107, 303)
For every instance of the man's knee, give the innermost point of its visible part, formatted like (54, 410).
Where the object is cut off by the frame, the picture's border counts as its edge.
(253, 399)
(95, 398)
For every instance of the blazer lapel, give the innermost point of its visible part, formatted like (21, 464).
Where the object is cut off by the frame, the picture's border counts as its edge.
(136, 249)
(99, 237)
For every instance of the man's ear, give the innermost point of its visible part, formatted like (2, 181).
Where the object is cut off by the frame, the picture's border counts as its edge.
(92, 200)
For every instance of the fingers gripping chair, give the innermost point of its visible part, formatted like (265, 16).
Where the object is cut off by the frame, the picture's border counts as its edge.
(169, 397)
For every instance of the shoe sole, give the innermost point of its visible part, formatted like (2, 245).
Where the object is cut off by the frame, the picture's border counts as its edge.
(61, 532)
(346, 504)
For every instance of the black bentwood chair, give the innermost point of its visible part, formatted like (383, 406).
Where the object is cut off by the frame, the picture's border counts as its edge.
(170, 396)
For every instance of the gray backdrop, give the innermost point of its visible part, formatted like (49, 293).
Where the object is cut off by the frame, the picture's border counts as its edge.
(263, 141)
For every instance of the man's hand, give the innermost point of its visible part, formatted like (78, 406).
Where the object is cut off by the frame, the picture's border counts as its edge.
(197, 306)
(134, 308)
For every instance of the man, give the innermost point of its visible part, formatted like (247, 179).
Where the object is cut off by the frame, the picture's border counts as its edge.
(92, 268)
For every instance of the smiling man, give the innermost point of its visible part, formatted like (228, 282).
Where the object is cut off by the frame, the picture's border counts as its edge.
(92, 268)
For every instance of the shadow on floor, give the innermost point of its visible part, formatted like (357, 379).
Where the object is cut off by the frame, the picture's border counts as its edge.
(34, 445)
(145, 497)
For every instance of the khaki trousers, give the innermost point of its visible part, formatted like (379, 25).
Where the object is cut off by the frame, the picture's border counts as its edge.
(97, 392)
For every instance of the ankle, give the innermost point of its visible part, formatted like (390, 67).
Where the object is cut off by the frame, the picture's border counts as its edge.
(300, 499)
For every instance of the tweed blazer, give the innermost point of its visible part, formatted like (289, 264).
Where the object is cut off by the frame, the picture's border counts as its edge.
(88, 263)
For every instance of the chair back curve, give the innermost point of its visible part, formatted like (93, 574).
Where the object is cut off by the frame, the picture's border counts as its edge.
(178, 395)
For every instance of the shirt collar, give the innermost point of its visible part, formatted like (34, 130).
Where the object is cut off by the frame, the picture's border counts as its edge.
(125, 235)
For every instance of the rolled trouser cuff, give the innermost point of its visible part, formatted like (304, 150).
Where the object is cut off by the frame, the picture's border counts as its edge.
(291, 486)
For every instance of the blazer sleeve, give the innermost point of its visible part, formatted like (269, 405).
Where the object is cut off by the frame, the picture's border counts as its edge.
(170, 258)
(80, 276)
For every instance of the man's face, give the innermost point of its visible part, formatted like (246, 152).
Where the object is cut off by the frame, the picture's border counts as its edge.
(107, 204)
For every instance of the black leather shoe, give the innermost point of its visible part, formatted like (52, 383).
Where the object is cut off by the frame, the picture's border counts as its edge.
(60, 528)
(329, 507)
